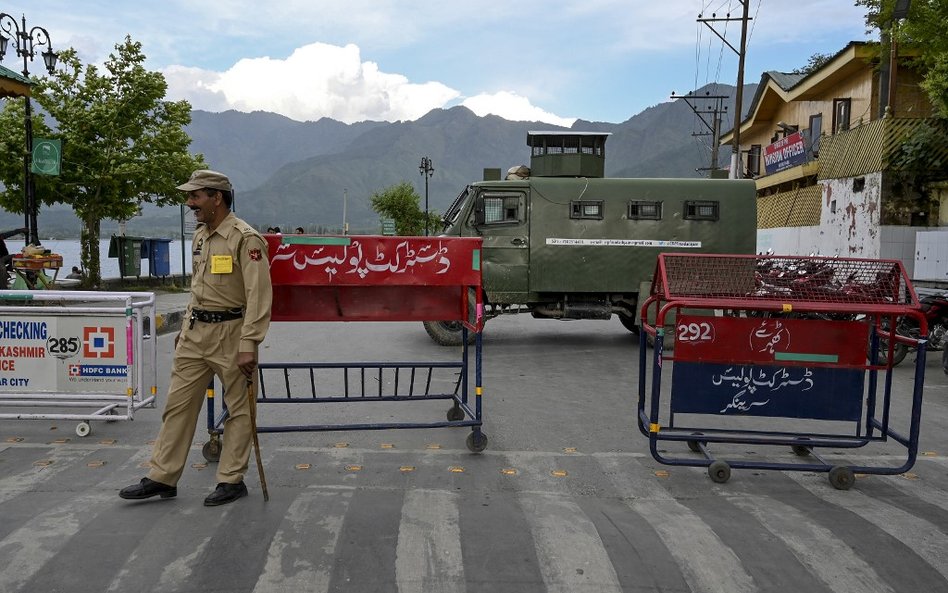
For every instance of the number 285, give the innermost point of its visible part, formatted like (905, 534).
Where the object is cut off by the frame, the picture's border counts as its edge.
(63, 345)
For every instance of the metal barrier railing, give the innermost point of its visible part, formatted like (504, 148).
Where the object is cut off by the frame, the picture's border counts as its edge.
(77, 349)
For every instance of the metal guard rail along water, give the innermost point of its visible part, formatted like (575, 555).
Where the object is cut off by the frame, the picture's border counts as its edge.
(77, 349)
(778, 350)
(373, 278)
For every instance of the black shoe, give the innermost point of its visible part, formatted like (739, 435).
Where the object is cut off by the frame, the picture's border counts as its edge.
(146, 489)
(225, 493)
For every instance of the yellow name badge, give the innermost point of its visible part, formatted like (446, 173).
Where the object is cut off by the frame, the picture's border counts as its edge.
(222, 264)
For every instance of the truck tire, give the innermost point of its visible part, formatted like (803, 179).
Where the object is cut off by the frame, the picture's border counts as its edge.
(628, 322)
(447, 333)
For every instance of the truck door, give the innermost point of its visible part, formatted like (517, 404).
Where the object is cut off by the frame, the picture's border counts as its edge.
(500, 218)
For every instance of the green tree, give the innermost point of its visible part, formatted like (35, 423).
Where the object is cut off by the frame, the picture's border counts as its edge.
(123, 144)
(400, 203)
(815, 62)
(924, 31)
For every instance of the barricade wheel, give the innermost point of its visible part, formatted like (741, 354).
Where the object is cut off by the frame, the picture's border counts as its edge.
(719, 471)
(477, 442)
(455, 414)
(841, 477)
(212, 450)
(695, 445)
(83, 429)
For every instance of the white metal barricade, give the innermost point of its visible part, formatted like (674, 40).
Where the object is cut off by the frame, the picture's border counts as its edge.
(77, 349)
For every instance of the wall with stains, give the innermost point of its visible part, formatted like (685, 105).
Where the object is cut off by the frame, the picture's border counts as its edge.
(849, 218)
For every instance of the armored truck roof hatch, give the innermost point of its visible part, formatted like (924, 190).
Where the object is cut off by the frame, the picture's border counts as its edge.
(567, 154)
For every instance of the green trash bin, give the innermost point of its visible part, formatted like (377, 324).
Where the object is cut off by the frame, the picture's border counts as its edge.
(128, 250)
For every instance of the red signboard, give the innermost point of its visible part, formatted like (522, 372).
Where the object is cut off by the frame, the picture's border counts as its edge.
(364, 277)
(787, 152)
(770, 340)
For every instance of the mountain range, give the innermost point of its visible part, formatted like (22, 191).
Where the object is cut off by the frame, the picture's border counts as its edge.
(289, 173)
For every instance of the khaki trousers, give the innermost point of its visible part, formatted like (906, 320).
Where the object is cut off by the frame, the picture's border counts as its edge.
(205, 350)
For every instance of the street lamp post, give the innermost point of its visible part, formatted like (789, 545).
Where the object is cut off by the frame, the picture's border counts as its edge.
(345, 203)
(427, 170)
(27, 41)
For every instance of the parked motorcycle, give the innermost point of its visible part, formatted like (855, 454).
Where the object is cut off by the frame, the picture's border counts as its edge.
(935, 308)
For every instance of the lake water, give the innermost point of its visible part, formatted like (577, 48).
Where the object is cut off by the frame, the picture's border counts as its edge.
(70, 250)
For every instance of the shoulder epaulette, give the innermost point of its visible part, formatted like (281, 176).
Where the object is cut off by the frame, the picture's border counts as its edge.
(245, 229)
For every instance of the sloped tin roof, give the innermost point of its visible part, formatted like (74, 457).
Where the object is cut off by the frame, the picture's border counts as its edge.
(13, 84)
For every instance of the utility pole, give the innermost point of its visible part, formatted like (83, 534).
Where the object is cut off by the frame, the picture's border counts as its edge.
(714, 128)
(736, 172)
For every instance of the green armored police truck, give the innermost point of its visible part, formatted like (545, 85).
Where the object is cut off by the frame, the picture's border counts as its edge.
(563, 242)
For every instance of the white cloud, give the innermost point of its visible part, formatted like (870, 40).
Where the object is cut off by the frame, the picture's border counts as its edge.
(316, 80)
(513, 107)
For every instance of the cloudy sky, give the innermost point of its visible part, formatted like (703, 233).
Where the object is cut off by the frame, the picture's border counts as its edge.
(353, 60)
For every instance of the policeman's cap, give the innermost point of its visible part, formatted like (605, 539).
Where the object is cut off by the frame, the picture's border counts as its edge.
(205, 178)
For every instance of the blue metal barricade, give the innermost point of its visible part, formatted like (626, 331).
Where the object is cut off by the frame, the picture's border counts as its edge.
(777, 350)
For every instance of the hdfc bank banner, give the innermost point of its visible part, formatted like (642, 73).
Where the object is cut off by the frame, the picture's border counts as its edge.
(63, 354)
(785, 153)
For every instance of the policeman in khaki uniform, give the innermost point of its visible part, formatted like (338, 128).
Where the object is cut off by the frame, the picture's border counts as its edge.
(226, 320)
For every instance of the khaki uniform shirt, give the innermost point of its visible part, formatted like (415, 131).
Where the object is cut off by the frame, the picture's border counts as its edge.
(231, 270)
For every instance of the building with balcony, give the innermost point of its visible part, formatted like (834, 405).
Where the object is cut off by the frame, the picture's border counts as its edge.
(845, 167)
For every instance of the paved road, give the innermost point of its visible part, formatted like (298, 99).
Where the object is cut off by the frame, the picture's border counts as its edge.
(565, 499)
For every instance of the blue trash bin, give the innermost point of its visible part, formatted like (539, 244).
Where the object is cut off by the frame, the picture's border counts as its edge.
(158, 252)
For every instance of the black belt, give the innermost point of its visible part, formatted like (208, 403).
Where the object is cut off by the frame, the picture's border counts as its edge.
(215, 316)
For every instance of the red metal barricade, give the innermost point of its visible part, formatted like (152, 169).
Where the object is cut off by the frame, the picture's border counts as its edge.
(374, 278)
(777, 350)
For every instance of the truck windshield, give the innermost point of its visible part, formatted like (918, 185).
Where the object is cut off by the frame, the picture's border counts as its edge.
(451, 214)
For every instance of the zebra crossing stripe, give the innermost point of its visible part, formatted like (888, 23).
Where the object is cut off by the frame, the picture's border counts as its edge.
(707, 563)
(428, 552)
(25, 551)
(16, 484)
(292, 543)
(568, 547)
(815, 546)
(924, 538)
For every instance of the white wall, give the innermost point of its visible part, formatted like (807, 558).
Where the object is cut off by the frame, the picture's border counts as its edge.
(801, 240)
(931, 255)
(898, 242)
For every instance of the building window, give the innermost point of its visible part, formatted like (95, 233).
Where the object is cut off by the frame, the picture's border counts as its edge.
(645, 210)
(859, 184)
(842, 108)
(701, 210)
(588, 209)
(501, 208)
(816, 130)
(753, 160)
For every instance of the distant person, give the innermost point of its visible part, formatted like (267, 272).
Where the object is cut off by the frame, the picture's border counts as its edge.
(226, 319)
(270, 230)
(277, 231)
(300, 231)
(76, 274)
